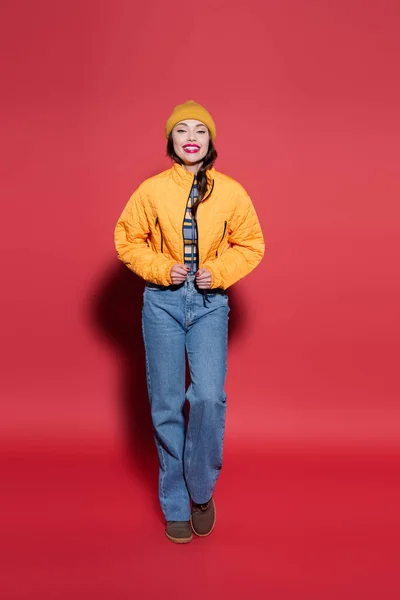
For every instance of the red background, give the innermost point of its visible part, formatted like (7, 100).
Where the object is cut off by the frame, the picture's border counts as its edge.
(306, 100)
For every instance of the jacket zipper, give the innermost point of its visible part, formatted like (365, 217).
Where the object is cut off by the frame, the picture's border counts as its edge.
(223, 235)
(162, 238)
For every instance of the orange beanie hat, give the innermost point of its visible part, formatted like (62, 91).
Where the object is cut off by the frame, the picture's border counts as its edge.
(191, 110)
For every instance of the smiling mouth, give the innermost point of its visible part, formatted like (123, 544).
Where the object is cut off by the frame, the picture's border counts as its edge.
(191, 149)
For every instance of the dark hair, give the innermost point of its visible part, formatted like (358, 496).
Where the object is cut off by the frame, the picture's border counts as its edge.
(208, 163)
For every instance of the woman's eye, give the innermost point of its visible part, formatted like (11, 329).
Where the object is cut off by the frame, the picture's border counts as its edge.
(181, 130)
(201, 131)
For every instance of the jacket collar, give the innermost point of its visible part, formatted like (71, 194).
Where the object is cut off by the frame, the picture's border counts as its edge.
(185, 178)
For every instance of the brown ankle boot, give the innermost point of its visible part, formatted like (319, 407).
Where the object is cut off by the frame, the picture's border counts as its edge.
(203, 518)
(179, 532)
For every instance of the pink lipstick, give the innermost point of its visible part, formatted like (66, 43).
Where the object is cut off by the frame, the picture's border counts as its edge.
(191, 148)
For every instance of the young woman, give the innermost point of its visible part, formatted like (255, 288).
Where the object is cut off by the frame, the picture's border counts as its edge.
(190, 232)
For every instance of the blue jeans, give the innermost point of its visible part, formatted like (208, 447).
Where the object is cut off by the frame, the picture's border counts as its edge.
(178, 320)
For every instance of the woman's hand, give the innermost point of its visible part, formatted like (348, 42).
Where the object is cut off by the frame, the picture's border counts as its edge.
(203, 279)
(179, 274)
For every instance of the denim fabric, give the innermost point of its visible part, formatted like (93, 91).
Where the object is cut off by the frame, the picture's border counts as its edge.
(179, 319)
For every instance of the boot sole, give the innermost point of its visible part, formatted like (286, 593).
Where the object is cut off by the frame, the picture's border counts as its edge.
(179, 540)
(212, 528)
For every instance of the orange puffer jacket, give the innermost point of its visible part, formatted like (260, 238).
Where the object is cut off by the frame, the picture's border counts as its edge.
(149, 233)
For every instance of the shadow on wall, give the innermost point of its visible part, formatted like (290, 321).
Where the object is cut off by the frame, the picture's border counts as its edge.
(117, 313)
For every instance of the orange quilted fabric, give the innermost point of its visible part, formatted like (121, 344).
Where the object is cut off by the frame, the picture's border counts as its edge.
(149, 238)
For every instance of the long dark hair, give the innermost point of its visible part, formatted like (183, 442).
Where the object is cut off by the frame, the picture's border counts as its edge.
(208, 163)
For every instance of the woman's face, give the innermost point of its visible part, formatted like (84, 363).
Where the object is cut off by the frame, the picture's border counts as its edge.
(191, 139)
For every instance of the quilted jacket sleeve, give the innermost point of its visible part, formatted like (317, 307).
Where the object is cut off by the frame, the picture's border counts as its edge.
(246, 246)
(131, 242)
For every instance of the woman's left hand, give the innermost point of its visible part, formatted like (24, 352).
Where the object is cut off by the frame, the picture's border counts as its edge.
(203, 279)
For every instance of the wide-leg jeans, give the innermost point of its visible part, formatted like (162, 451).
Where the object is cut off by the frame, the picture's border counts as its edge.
(179, 321)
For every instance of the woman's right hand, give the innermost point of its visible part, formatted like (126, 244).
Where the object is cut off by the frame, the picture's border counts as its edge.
(179, 274)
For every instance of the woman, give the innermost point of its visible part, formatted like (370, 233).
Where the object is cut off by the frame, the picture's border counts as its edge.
(190, 232)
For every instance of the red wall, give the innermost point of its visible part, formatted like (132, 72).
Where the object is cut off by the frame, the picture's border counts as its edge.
(306, 100)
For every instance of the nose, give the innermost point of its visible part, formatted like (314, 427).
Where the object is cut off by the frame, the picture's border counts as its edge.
(192, 136)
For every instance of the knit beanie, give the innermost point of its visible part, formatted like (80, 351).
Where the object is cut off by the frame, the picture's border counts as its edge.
(190, 110)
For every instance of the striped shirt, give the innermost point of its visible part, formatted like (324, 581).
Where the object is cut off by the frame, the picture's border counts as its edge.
(190, 231)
